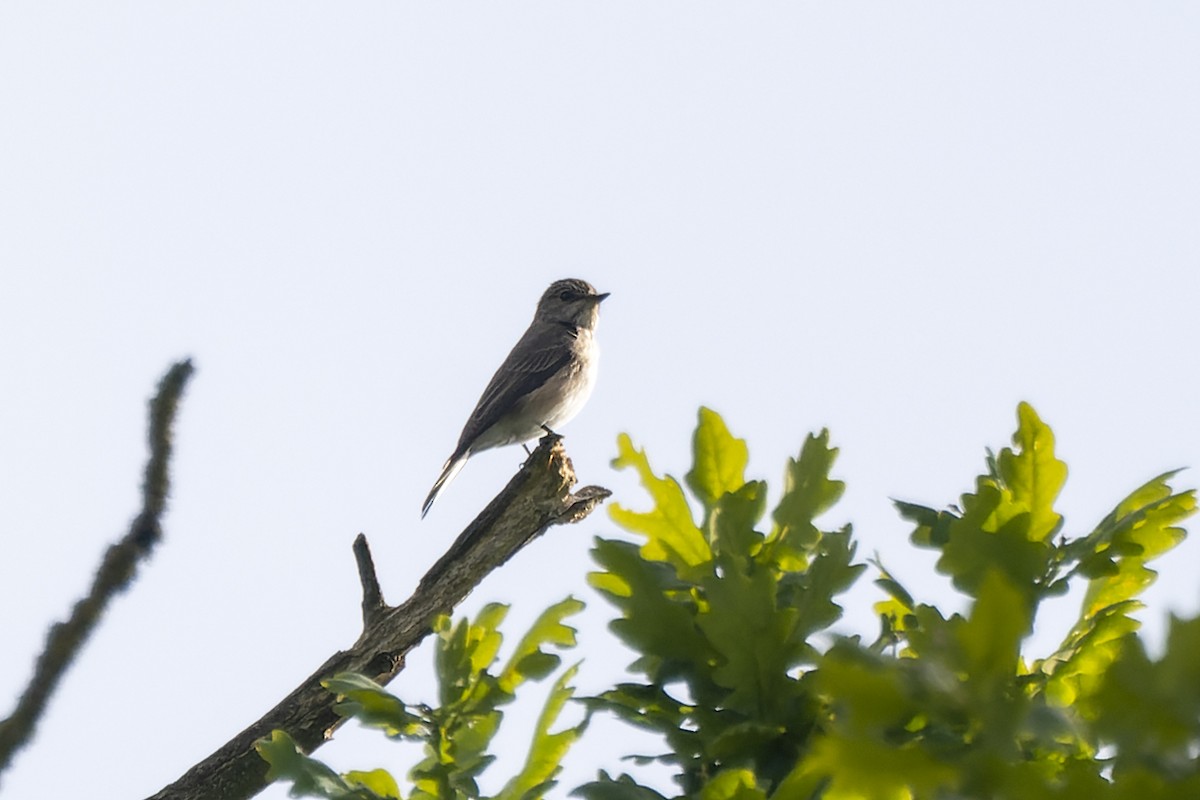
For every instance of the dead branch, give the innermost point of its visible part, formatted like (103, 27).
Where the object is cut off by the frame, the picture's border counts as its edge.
(116, 572)
(536, 498)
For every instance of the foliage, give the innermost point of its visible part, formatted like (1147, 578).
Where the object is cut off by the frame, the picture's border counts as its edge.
(729, 611)
(723, 617)
(456, 733)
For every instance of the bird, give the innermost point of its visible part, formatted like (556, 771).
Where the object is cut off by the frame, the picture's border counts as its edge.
(543, 382)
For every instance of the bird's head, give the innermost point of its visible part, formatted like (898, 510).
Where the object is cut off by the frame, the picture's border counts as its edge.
(571, 302)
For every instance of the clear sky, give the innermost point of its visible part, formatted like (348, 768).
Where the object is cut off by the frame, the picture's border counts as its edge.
(894, 220)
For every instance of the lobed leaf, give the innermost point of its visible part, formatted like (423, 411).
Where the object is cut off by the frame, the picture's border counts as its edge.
(1078, 666)
(671, 533)
(977, 542)
(1132, 536)
(719, 459)
(752, 636)
(308, 776)
(657, 610)
(528, 659)
(465, 650)
(807, 493)
(1033, 475)
(547, 750)
(811, 592)
(378, 781)
(731, 525)
(374, 706)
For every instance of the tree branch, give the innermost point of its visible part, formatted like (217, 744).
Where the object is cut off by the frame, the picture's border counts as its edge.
(116, 572)
(372, 596)
(537, 497)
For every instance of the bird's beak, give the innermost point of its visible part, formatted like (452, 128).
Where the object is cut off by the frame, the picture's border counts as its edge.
(600, 297)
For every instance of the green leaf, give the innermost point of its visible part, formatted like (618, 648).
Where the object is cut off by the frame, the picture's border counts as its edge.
(286, 762)
(1098, 565)
(742, 740)
(378, 781)
(720, 459)
(807, 493)
(866, 768)
(933, 527)
(1141, 527)
(1008, 523)
(975, 545)
(463, 727)
(867, 690)
(1033, 474)
(1133, 535)
(529, 661)
(623, 788)
(374, 706)
(658, 613)
(733, 784)
(671, 533)
(466, 650)
(1131, 509)
(752, 635)
(940, 705)
(1151, 709)
(1077, 668)
(547, 749)
(811, 592)
(651, 708)
(890, 585)
(991, 637)
(732, 524)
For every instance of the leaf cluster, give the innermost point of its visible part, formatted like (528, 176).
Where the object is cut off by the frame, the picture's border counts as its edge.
(728, 609)
(963, 700)
(456, 733)
(723, 616)
(722, 610)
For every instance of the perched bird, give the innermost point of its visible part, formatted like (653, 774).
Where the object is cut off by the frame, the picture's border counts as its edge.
(543, 383)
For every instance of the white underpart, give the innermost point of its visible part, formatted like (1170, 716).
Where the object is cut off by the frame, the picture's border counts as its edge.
(552, 404)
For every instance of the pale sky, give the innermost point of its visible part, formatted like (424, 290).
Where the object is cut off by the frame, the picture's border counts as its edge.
(894, 220)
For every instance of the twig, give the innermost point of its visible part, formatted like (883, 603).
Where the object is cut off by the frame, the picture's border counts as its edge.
(116, 572)
(372, 596)
(537, 497)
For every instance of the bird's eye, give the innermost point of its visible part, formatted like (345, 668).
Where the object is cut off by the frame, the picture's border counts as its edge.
(566, 295)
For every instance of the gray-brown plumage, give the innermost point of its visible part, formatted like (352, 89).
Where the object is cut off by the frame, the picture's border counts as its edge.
(543, 382)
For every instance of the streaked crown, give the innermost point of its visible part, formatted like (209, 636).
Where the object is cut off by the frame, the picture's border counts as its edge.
(570, 301)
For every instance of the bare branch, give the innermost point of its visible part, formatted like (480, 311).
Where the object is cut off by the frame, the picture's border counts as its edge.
(537, 497)
(116, 572)
(372, 596)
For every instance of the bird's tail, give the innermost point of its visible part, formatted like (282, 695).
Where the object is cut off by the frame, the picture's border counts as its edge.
(451, 468)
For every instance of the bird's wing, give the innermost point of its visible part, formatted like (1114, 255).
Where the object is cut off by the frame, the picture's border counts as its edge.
(539, 354)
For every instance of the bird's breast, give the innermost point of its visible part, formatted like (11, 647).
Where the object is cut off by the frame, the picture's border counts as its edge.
(562, 396)
(552, 404)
